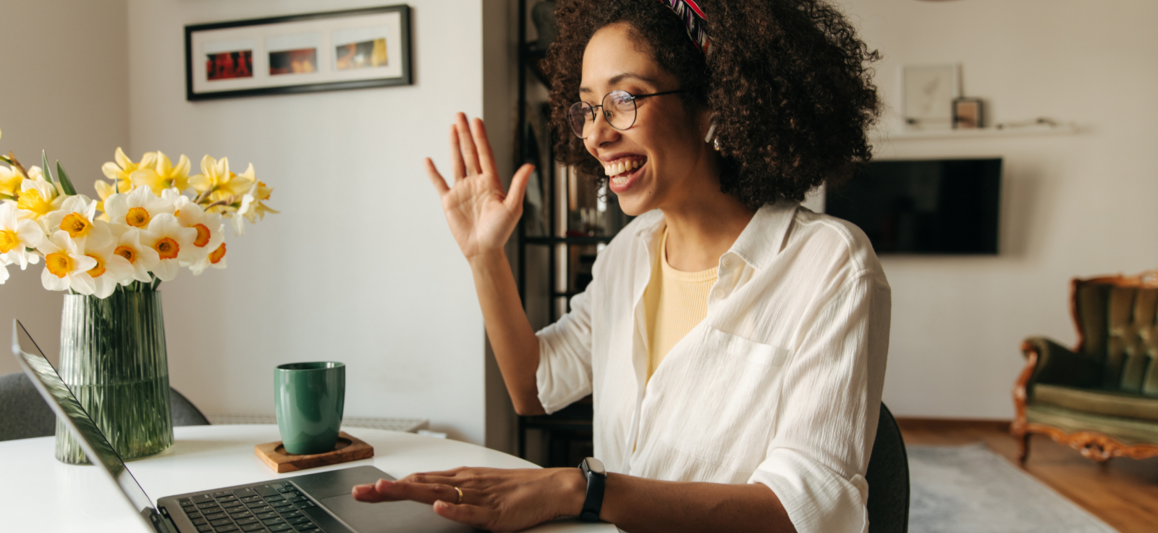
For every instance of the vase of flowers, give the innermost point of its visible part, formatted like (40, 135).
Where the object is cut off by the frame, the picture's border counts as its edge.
(112, 255)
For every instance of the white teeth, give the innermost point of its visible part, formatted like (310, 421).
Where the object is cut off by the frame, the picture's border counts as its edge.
(615, 169)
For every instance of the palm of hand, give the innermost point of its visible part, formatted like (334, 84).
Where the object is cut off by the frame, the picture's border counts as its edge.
(481, 216)
(478, 217)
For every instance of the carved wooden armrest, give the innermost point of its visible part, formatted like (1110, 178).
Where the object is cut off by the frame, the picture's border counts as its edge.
(1058, 365)
(1049, 362)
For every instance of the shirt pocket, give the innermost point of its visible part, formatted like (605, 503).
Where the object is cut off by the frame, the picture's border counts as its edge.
(724, 407)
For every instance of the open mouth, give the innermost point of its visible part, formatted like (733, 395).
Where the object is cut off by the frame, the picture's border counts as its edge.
(621, 171)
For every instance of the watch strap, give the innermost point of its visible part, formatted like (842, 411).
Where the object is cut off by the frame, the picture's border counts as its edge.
(593, 503)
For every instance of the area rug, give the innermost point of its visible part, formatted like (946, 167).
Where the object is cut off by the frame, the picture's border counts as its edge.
(970, 489)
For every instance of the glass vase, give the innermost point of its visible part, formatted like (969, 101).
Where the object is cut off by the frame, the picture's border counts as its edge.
(112, 356)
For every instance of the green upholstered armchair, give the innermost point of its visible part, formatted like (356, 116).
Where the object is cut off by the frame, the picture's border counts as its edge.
(1101, 397)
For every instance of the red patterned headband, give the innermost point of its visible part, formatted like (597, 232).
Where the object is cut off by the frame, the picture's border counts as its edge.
(692, 17)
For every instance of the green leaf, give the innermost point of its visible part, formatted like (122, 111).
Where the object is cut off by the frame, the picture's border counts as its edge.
(5, 159)
(65, 183)
(44, 166)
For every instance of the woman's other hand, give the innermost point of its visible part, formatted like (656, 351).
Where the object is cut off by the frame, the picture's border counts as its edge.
(481, 216)
(492, 499)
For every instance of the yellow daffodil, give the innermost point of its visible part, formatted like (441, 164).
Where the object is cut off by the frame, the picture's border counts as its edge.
(172, 243)
(65, 265)
(260, 193)
(252, 207)
(215, 178)
(10, 179)
(111, 268)
(17, 236)
(38, 197)
(138, 207)
(104, 191)
(140, 257)
(163, 175)
(121, 170)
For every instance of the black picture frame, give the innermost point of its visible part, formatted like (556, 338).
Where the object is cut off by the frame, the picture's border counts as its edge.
(404, 77)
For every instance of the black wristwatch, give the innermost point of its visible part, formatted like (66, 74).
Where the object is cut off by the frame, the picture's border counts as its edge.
(596, 480)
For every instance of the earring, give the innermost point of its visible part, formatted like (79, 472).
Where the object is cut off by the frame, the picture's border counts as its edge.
(712, 138)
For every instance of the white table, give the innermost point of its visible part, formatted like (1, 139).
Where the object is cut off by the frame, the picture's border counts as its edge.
(39, 493)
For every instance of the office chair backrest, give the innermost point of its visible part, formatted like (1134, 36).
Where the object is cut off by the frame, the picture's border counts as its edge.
(888, 479)
(24, 415)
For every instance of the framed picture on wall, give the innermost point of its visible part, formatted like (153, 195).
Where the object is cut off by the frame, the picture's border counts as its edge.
(927, 94)
(967, 114)
(339, 50)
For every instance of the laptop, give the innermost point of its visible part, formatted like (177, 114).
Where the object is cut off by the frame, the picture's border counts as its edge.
(310, 503)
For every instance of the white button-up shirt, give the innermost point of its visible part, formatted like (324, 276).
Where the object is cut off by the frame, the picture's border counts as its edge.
(780, 384)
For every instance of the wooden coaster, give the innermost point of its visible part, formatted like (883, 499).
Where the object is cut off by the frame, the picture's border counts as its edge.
(348, 449)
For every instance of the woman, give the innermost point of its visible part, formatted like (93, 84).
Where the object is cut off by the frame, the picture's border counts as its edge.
(734, 343)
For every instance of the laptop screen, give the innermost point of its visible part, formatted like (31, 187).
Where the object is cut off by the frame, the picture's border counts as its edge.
(69, 411)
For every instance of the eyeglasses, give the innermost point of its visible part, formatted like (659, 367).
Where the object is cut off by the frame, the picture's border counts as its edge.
(619, 108)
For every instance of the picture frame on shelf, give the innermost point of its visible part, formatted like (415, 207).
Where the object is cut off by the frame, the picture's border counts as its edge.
(314, 52)
(968, 114)
(927, 95)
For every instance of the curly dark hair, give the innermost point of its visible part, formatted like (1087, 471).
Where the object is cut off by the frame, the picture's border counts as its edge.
(788, 82)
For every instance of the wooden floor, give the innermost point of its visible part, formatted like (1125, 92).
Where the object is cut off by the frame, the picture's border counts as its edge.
(1122, 492)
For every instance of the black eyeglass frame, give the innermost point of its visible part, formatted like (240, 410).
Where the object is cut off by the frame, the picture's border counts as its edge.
(589, 110)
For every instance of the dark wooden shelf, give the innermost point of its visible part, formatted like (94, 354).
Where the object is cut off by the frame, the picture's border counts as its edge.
(535, 58)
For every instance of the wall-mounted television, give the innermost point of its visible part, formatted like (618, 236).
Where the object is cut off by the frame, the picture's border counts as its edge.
(930, 206)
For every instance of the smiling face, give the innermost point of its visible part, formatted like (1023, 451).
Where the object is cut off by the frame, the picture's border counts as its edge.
(661, 161)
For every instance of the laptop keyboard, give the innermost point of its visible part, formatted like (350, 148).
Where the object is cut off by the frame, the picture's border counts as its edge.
(275, 507)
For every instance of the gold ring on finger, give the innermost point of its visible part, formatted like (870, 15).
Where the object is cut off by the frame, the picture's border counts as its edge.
(459, 502)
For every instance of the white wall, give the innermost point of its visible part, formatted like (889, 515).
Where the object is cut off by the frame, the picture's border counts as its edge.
(64, 89)
(360, 266)
(1072, 206)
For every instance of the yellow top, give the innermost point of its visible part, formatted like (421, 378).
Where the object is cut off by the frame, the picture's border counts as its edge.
(675, 302)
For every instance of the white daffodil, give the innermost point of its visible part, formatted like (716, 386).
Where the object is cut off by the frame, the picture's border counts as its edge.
(110, 270)
(210, 229)
(138, 207)
(142, 258)
(173, 244)
(38, 197)
(17, 236)
(3, 270)
(65, 265)
(215, 259)
(77, 216)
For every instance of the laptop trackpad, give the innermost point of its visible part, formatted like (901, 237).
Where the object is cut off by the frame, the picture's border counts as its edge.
(411, 517)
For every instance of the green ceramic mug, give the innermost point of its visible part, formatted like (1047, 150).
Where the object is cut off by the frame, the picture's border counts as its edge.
(309, 398)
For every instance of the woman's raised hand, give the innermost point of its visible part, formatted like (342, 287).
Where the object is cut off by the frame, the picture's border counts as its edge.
(481, 216)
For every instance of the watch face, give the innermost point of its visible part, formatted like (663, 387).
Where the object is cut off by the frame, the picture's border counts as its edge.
(595, 466)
